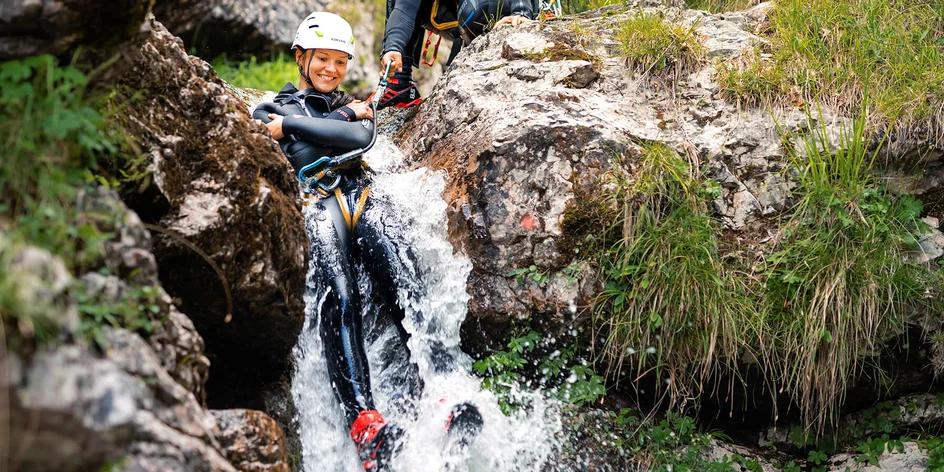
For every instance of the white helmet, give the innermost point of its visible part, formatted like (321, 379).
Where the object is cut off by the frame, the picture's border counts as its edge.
(323, 30)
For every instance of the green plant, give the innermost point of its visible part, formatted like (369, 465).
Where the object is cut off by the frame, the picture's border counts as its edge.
(838, 283)
(652, 44)
(560, 372)
(532, 272)
(571, 7)
(717, 6)
(839, 51)
(669, 306)
(255, 74)
(135, 309)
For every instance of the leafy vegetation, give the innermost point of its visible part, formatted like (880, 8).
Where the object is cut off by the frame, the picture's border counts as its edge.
(561, 372)
(255, 74)
(833, 286)
(839, 51)
(56, 139)
(669, 304)
(653, 44)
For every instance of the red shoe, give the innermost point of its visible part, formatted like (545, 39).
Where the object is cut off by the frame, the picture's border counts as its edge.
(401, 93)
(376, 441)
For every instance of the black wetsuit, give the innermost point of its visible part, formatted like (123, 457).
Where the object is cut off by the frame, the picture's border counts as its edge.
(350, 230)
(458, 20)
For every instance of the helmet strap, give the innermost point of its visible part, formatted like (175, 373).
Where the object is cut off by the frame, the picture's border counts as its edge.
(304, 72)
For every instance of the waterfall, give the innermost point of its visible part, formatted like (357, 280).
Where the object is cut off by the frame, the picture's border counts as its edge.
(434, 313)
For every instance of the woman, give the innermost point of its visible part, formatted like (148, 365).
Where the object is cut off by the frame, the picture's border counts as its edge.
(349, 228)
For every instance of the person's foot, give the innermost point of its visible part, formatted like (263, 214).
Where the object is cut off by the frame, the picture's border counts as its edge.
(464, 423)
(401, 93)
(376, 440)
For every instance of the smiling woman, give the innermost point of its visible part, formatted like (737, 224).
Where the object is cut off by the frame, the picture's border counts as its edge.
(349, 230)
(325, 68)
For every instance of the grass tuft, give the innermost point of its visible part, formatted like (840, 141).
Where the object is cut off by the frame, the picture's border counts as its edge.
(669, 304)
(260, 75)
(838, 282)
(652, 44)
(718, 6)
(839, 51)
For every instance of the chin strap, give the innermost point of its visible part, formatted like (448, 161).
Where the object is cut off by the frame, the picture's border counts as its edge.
(304, 72)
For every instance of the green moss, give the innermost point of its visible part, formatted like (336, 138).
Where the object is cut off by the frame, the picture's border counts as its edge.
(653, 44)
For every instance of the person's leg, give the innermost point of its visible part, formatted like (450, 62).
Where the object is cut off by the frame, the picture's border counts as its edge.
(389, 261)
(401, 90)
(340, 315)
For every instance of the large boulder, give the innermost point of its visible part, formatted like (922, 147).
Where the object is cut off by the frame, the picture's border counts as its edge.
(72, 409)
(58, 27)
(527, 122)
(264, 28)
(223, 202)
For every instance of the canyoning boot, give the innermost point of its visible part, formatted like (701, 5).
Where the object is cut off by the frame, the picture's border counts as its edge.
(376, 440)
(401, 93)
(464, 423)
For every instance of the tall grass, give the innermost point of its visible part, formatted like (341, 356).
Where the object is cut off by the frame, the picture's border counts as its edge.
(838, 51)
(669, 305)
(838, 283)
(652, 44)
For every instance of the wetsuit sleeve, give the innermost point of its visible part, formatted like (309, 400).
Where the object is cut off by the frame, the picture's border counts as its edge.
(333, 133)
(343, 114)
(521, 7)
(400, 25)
(262, 111)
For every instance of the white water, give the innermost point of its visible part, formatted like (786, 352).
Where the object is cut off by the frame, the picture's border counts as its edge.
(526, 441)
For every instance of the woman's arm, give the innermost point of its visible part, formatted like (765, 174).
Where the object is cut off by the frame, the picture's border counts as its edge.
(331, 133)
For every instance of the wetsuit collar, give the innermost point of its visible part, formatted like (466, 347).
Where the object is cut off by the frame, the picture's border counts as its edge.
(290, 93)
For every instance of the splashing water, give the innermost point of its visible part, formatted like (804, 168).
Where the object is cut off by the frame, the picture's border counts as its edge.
(433, 316)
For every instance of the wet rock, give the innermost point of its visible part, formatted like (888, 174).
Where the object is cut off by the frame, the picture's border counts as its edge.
(72, 409)
(252, 441)
(222, 196)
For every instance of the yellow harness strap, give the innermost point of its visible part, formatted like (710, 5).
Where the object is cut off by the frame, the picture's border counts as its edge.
(361, 203)
(344, 209)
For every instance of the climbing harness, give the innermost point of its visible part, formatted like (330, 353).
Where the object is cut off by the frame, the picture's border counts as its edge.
(320, 177)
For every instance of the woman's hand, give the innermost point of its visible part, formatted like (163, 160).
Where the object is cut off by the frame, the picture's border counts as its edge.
(513, 20)
(362, 110)
(275, 126)
(396, 60)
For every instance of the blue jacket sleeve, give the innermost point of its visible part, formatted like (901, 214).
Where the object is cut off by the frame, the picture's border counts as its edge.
(332, 133)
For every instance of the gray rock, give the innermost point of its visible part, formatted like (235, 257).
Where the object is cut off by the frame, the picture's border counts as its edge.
(39, 291)
(57, 27)
(912, 458)
(72, 409)
(225, 198)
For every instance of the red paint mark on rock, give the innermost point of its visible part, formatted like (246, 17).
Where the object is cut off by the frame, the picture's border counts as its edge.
(529, 222)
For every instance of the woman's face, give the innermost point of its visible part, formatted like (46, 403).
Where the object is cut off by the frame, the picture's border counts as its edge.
(326, 68)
